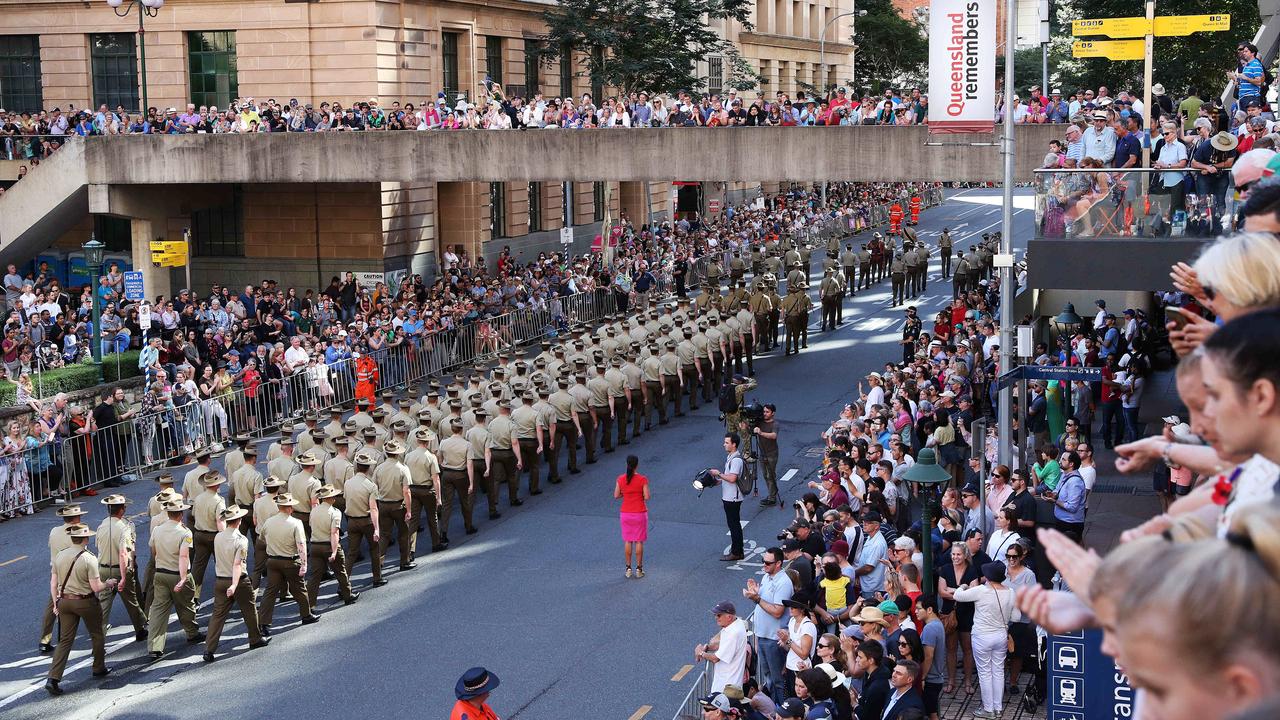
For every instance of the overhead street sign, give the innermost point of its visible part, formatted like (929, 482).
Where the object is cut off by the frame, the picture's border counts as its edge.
(168, 259)
(1126, 27)
(1109, 49)
(169, 247)
(1179, 25)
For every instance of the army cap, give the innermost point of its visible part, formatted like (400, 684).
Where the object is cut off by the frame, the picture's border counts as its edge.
(287, 441)
(364, 457)
(480, 413)
(176, 506)
(116, 500)
(212, 479)
(404, 402)
(476, 401)
(544, 391)
(616, 361)
(528, 396)
(424, 414)
(455, 403)
(562, 381)
(273, 482)
(400, 426)
(499, 370)
(455, 424)
(387, 394)
(369, 432)
(166, 478)
(311, 416)
(350, 426)
(423, 433)
(539, 362)
(284, 499)
(671, 344)
(327, 491)
(341, 441)
(166, 495)
(335, 411)
(235, 512)
(308, 459)
(378, 414)
(79, 530)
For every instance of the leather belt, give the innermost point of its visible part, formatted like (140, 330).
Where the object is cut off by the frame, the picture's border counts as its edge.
(357, 517)
(113, 567)
(282, 557)
(73, 596)
(166, 571)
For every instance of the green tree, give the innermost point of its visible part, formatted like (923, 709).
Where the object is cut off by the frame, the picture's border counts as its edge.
(1198, 60)
(890, 49)
(651, 45)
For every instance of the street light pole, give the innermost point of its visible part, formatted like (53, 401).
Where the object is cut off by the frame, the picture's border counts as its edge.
(822, 63)
(146, 9)
(1005, 411)
(93, 260)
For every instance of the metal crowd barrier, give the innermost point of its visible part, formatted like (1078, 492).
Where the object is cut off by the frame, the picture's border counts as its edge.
(690, 708)
(84, 460)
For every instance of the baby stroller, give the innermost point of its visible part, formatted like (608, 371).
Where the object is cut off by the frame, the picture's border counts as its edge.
(48, 357)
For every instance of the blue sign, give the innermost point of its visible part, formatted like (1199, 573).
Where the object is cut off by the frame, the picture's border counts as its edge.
(133, 286)
(1083, 682)
(1049, 372)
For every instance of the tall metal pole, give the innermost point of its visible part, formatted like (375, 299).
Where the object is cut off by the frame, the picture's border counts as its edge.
(142, 55)
(1005, 415)
(822, 63)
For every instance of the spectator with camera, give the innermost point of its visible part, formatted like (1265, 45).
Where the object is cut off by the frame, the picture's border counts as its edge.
(766, 432)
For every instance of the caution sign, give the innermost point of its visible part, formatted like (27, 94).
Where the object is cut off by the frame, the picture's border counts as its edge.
(1126, 27)
(1181, 25)
(1109, 49)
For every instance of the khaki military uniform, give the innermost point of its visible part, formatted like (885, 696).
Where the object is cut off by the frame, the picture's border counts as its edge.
(230, 547)
(392, 479)
(167, 543)
(115, 536)
(424, 496)
(362, 496)
(59, 540)
(502, 458)
(457, 482)
(530, 432)
(204, 513)
(74, 569)
(284, 535)
(324, 552)
(582, 409)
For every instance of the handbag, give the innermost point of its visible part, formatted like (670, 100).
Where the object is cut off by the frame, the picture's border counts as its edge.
(1008, 638)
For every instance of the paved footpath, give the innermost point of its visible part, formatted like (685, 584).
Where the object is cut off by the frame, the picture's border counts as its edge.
(537, 596)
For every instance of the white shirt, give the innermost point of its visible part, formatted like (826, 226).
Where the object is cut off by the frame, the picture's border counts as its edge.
(875, 396)
(296, 356)
(1255, 484)
(798, 630)
(732, 654)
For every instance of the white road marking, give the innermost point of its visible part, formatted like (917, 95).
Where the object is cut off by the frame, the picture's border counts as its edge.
(786, 477)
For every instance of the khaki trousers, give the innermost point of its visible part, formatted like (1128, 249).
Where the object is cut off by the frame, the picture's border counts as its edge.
(243, 599)
(167, 594)
(71, 610)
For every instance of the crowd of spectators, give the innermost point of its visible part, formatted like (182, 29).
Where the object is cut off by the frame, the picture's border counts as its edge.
(844, 628)
(234, 360)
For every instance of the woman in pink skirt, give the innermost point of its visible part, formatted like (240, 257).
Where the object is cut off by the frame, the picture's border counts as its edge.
(633, 489)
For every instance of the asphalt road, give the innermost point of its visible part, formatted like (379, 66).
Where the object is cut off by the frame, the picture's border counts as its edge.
(538, 596)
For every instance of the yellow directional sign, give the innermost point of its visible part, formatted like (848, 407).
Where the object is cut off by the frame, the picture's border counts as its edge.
(1179, 25)
(1109, 49)
(1126, 27)
(169, 247)
(168, 260)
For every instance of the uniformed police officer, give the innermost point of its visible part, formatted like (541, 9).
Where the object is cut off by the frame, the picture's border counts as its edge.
(73, 582)
(174, 588)
(286, 564)
(325, 548)
(231, 583)
(116, 542)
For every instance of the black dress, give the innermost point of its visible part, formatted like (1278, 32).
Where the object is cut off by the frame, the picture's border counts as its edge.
(964, 611)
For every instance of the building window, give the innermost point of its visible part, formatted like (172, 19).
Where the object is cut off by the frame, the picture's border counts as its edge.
(715, 75)
(114, 232)
(497, 210)
(597, 201)
(566, 72)
(535, 206)
(115, 70)
(211, 58)
(493, 57)
(20, 83)
(597, 84)
(219, 231)
(449, 66)
(532, 55)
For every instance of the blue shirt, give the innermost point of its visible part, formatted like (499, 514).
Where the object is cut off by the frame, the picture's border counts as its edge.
(1126, 147)
(1251, 69)
(774, 589)
(874, 549)
(1070, 505)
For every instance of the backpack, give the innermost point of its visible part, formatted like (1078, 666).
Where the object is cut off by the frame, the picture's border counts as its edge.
(729, 398)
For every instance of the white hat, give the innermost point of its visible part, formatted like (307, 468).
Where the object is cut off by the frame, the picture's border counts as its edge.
(1157, 89)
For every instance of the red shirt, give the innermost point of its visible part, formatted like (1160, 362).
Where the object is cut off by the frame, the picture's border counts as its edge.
(633, 493)
(1106, 389)
(464, 710)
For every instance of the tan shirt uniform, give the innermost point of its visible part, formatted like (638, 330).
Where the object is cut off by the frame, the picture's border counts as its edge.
(669, 362)
(59, 540)
(477, 440)
(191, 487)
(283, 533)
(229, 545)
(423, 466)
(453, 453)
(283, 468)
(114, 536)
(635, 376)
(303, 487)
(205, 510)
(337, 471)
(581, 398)
(359, 492)
(166, 543)
(324, 520)
(233, 461)
(652, 369)
(599, 389)
(501, 431)
(617, 382)
(391, 477)
(246, 483)
(263, 508)
(154, 506)
(78, 569)
(526, 421)
(562, 401)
